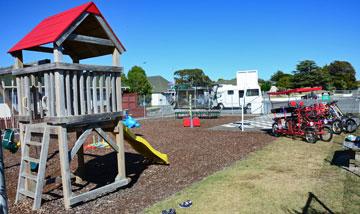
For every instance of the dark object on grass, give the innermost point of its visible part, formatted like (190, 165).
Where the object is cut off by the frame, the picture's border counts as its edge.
(170, 211)
(3, 196)
(185, 204)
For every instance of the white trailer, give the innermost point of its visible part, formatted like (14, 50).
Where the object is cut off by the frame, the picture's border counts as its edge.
(246, 92)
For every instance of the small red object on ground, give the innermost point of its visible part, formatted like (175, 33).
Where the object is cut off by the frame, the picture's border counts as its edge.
(196, 122)
(186, 122)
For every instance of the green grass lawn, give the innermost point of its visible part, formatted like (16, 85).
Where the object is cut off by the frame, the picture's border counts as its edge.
(283, 177)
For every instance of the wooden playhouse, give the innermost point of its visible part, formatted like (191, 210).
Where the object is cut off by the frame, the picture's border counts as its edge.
(58, 98)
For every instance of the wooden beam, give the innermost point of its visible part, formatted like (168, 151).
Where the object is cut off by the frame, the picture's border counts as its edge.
(59, 94)
(101, 91)
(78, 144)
(65, 166)
(108, 139)
(52, 94)
(110, 34)
(77, 22)
(58, 53)
(99, 191)
(94, 94)
(41, 49)
(90, 39)
(82, 94)
(68, 93)
(75, 96)
(18, 63)
(66, 66)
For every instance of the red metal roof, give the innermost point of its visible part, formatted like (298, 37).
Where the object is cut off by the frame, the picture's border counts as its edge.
(296, 90)
(51, 28)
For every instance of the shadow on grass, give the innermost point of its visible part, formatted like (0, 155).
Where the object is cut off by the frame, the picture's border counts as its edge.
(342, 158)
(313, 205)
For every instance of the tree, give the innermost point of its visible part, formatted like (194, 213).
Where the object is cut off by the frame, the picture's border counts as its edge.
(124, 80)
(137, 81)
(307, 74)
(306, 66)
(192, 77)
(342, 75)
(277, 76)
(282, 80)
(265, 85)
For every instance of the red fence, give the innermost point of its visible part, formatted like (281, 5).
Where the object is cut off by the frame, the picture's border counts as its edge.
(130, 103)
(6, 123)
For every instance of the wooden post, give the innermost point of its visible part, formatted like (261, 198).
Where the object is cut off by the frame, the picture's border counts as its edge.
(68, 94)
(39, 97)
(19, 95)
(52, 95)
(47, 92)
(94, 93)
(65, 165)
(81, 162)
(27, 95)
(88, 91)
(82, 94)
(58, 55)
(119, 128)
(75, 96)
(101, 90)
(107, 86)
(59, 94)
(18, 63)
(113, 93)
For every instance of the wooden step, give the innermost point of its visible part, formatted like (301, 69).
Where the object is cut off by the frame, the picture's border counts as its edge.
(29, 176)
(30, 159)
(33, 143)
(27, 193)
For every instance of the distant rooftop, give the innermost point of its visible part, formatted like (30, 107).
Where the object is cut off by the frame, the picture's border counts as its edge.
(159, 84)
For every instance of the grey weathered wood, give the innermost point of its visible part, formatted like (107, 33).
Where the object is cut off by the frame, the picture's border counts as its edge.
(99, 191)
(88, 93)
(94, 94)
(19, 95)
(80, 141)
(42, 167)
(68, 93)
(27, 96)
(70, 29)
(66, 66)
(47, 92)
(82, 94)
(101, 91)
(40, 94)
(65, 166)
(113, 93)
(110, 34)
(22, 89)
(58, 53)
(23, 167)
(59, 94)
(80, 120)
(75, 96)
(107, 86)
(118, 93)
(34, 95)
(41, 49)
(107, 138)
(90, 39)
(119, 135)
(18, 60)
(52, 94)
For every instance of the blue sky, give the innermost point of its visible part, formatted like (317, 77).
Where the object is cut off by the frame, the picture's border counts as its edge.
(219, 36)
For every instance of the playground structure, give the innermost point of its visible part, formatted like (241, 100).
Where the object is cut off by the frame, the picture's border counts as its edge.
(56, 99)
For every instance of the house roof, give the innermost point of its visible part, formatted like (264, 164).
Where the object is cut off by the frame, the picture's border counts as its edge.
(158, 83)
(52, 28)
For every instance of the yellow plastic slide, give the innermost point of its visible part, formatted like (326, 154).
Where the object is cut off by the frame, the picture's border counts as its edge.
(143, 147)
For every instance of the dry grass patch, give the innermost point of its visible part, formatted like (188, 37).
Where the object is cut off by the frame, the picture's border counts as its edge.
(281, 178)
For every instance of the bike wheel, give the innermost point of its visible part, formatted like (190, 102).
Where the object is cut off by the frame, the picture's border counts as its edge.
(327, 134)
(350, 125)
(337, 126)
(275, 127)
(310, 136)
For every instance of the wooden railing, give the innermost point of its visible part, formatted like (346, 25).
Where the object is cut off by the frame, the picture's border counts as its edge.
(62, 90)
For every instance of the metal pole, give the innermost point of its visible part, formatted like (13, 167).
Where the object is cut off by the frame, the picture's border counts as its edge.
(3, 196)
(190, 113)
(232, 104)
(242, 115)
(144, 103)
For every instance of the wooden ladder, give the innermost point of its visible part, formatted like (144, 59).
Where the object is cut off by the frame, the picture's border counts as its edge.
(25, 175)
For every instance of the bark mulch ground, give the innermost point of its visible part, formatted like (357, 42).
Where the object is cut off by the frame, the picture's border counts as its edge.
(193, 153)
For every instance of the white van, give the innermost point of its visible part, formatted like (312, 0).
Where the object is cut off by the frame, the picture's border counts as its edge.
(246, 93)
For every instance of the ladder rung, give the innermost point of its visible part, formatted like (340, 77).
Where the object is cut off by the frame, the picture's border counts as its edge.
(27, 193)
(33, 143)
(29, 159)
(29, 176)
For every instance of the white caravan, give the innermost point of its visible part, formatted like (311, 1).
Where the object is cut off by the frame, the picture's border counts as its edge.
(246, 93)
